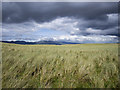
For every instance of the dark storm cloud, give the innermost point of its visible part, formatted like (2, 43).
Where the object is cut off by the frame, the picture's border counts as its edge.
(43, 11)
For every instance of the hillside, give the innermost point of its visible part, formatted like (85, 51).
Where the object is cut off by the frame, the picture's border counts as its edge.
(60, 66)
(40, 42)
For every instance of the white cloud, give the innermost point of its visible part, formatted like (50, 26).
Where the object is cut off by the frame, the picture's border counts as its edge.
(64, 24)
(72, 26)
(84, 39)
(112, 17)
(93, 31)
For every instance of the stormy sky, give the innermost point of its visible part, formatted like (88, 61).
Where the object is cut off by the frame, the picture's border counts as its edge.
(83, 22)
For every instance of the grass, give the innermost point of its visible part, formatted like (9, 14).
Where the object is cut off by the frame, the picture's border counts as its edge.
(60, 66)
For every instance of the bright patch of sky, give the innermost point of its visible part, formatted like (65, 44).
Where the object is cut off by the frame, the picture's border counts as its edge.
(48, 33)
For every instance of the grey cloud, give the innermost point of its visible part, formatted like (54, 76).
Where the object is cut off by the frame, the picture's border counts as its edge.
(95, 13)
(46, 11)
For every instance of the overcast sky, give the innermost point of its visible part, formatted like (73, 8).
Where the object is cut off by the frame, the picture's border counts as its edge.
(88, 22)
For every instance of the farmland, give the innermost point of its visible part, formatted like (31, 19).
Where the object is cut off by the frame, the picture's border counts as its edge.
(60, 66)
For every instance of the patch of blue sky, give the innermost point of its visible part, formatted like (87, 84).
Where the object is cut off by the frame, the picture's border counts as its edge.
(49, 32)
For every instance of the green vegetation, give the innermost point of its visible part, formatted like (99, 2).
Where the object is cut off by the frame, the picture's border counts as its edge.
(60, 66)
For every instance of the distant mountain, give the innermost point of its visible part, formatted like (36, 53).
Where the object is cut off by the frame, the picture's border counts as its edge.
(19, 42)
(40, 42)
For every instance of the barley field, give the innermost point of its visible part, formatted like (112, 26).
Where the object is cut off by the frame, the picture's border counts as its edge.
(60, 66)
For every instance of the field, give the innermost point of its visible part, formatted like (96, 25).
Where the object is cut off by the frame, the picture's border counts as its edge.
(60, 66)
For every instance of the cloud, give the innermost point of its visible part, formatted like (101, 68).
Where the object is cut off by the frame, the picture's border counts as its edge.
(88, 39)
(78, 26)
(70, 21)
(111, 31)
(111, 22)
(75, 39)
(47, 11)
(61, 24)
(80, 39)
(33, 31)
